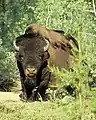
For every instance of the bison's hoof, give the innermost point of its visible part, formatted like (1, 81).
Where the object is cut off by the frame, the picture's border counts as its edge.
(45, 97)
(22, 97)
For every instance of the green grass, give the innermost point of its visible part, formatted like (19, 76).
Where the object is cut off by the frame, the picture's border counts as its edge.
(36, 111)
(68, 108)
(56, 110)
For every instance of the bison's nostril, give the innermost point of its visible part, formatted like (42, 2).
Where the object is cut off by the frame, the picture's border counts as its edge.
(28, 69)
(32, 70)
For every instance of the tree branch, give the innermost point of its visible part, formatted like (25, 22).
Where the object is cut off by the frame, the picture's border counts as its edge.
(93, 1)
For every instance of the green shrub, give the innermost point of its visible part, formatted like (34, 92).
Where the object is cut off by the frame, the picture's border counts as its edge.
(8, 69)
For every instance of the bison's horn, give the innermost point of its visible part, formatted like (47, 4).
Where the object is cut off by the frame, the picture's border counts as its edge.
(47, 46)
(16, 47)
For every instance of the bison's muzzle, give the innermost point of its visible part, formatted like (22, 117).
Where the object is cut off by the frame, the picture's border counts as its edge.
(30, 72)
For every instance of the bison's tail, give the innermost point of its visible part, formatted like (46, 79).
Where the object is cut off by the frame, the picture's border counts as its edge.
(74, 41)
(59, 31)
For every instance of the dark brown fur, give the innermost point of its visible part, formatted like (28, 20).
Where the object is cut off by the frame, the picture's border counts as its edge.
(34, 56)
(55, 38)
(61, 46)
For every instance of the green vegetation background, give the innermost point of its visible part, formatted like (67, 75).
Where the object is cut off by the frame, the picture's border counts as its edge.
(75, 17)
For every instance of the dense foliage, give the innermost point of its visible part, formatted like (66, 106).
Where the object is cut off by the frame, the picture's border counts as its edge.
(43, 111)
(8, 70)
(75, 17)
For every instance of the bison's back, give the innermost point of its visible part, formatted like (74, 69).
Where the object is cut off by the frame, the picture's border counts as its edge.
(59, 57)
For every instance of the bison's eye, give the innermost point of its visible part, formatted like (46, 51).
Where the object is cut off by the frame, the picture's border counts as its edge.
(41, 56)
(21, 57)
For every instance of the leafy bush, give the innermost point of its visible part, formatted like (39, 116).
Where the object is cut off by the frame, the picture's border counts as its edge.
(8, 69)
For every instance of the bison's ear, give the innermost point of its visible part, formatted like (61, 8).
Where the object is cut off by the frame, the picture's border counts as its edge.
(46, 55)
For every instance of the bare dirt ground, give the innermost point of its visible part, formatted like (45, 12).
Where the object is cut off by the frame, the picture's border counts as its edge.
(9, 96)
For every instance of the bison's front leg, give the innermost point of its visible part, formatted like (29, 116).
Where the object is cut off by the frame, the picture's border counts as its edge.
(34, 94)
(30, 84)
(22, 78)
(44, 83)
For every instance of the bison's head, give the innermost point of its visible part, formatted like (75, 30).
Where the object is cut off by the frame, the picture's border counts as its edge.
(32, 53)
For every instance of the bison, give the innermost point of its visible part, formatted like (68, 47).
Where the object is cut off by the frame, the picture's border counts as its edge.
(35, 50)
